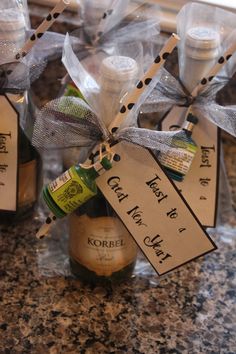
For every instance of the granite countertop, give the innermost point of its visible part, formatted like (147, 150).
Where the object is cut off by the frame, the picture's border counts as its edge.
(189, 311)
(43, 309)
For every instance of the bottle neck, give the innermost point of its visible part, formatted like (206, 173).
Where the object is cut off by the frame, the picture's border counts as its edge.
(99, 168)
(91, 173)
(188, 128)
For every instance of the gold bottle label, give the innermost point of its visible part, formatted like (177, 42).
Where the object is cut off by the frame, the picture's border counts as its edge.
(103, 244)
(27, 185)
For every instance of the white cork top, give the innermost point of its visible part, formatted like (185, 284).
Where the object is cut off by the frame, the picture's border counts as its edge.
(202, 43)
(119, 68)
(11, 20)
(12, 26)
(202, 37)
(12, 34)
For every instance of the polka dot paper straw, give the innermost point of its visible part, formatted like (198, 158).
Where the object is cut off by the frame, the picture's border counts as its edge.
(214, 71)
(134, 95)
(105, 17)
(45, 25)
(45, 228)
(101, 26)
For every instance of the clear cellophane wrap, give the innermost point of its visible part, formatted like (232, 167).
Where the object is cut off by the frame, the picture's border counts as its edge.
(166, 91)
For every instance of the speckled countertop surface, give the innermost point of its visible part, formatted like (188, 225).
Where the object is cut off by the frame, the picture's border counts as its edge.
(192, 310)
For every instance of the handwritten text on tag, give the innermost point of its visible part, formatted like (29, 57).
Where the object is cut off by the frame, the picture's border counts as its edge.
(152, 210)
(8, 155)
(200, 185)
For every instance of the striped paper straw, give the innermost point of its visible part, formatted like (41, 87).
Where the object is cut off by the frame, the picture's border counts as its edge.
(45, 25)
(215, 70)
(134, 95)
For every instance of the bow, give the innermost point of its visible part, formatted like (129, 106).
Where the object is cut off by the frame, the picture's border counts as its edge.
(69, 122)
(170, 92)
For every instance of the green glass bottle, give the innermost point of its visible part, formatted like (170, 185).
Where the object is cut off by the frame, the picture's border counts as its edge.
(20, 163)
(101, 249)
(73, 188)
(177, 166)
(73, 91)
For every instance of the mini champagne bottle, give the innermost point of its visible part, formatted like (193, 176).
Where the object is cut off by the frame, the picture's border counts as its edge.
(177, 166)
(20, 163)
(73, 188)
(101, 248)
(201, 49)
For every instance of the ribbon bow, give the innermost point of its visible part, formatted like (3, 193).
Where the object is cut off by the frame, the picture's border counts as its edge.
(16, 77)
(170, 92)
(69, 122)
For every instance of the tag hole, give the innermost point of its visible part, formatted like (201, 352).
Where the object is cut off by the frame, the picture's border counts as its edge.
(116, 157)
(114, 129)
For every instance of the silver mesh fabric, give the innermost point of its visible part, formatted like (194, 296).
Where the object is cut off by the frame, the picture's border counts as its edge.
(67, 122)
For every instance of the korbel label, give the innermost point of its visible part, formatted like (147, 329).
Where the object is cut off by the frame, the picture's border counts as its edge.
(8, 155)
(101, 244)
(152, 209)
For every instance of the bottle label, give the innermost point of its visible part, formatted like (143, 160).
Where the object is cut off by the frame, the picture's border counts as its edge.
(102, 245)
(179, 164)
(72, 90)
(152, 209)
(69, 191)
(9, 125)
(201, 184)
(27, 183)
